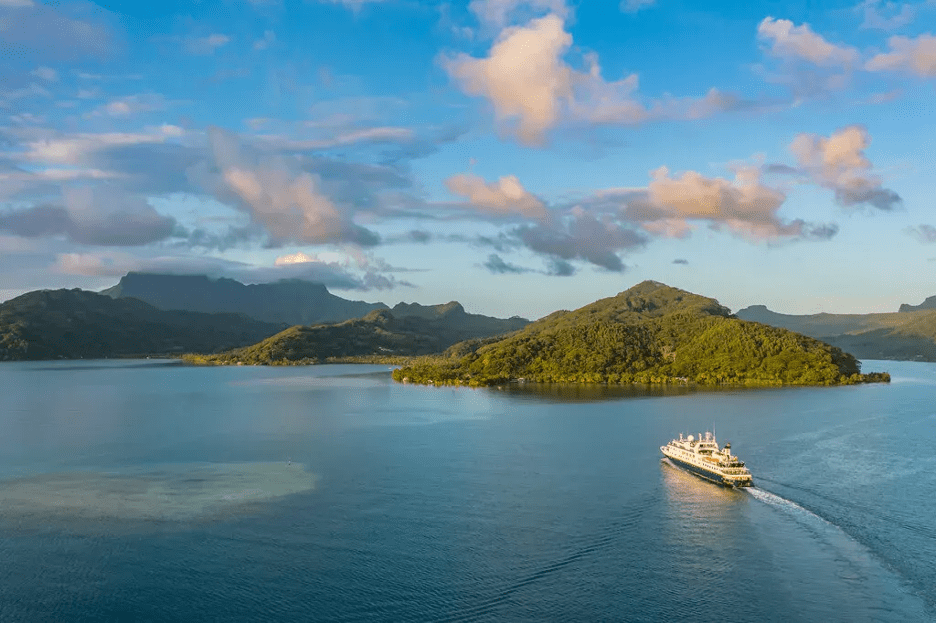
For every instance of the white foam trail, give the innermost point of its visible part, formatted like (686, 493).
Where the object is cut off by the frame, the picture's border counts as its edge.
(782, 503)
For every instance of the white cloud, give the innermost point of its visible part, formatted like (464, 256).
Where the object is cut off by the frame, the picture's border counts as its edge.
(504, 197)
(532, 89)
(94, 264)
(290, 206)
(874, 11)
(386, 134)
(334, 269)
(89, 94)
(77, 148)
(112, 263)
(523, 77)
(57, 175)
(789, 41)
(447, 24)
(296, 258)
(46, 73)
(910, 55)
(501, 13)
(11, 95)
(838, 162)
(206, 45)
(744, 206)
(269, 38)
(673, 206)
(156, 161)
(131, 105)
(170, 130)
(633, 6)
(670, 227)
(604, 102)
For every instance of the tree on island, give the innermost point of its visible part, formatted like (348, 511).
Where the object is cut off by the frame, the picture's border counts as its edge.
(651, 333)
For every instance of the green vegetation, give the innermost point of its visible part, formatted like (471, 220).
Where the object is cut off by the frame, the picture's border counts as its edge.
(379, 335)
(906, 335)
(69, 324)
(650, 334)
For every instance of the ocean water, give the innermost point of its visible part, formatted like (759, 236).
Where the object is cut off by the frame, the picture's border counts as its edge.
(149, 490)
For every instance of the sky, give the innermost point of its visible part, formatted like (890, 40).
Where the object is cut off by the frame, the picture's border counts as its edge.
(518, 156)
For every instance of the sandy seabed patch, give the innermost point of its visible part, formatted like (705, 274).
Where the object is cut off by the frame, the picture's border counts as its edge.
(157, 492)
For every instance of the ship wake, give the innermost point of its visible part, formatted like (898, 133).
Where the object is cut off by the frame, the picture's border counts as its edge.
(784, 504)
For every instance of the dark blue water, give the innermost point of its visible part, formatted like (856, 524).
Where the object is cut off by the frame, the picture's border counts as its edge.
(153, 491)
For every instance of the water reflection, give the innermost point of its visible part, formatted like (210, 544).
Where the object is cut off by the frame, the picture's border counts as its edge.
(696, 499)
(580, 393)
(68, 365)
(704, 517)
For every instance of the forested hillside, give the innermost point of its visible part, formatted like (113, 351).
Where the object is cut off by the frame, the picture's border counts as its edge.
(379, 333)
(51, 324)
(651, 333)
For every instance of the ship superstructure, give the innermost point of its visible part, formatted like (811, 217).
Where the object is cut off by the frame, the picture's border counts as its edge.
(701, 456)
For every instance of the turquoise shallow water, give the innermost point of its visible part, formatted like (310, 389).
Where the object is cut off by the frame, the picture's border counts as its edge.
(146, 490)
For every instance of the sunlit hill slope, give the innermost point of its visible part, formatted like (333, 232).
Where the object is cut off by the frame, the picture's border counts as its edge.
(651, 333)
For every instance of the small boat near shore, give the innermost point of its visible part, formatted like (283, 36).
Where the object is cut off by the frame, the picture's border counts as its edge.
(702, 457)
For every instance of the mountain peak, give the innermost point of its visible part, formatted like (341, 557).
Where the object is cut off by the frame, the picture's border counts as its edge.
(928, 304)
(293, 301)
(428, 311)
(652, 298)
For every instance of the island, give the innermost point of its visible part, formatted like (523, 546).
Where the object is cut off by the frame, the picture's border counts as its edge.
(649, 334)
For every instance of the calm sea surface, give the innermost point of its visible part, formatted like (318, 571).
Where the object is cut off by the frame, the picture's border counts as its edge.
(148, 490)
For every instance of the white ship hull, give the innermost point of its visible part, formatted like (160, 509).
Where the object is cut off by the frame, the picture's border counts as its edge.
(703, 458)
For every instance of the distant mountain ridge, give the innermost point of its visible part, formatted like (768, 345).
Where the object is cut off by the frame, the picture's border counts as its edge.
(904, 335)
(52, 324)
(81, 324)
(294, 302)
(928, 304)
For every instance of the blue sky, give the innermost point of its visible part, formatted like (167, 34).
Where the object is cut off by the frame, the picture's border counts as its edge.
(519, 156)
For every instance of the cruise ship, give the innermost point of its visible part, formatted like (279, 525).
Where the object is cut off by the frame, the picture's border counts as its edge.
(701, 456)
